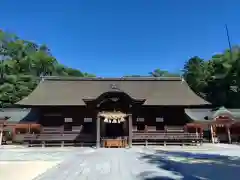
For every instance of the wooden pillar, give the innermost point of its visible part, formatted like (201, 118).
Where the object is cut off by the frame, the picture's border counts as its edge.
(185, 128)
(201, 131)
(125, 128)
(229, 134)
(13, 132)
(43, 144)
(29, 128)
(196, 129)
(146, 130)
(98, 132)
(1, 134)
(201, 135)
(102, 128)
(130, 130)
(211, 130)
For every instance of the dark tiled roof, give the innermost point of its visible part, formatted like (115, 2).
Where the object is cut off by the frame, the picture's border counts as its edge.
(199, 114)
(15, 115)
(209, 114)
(234, 113)
(73, 91)
(18, 115)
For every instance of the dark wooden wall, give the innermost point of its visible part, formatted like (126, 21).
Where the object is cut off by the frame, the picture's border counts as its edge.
(77, 113)
(174, 116)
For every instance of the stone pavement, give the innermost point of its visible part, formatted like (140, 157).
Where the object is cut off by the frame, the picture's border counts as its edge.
(105, 164)
(38, 154)
(137, 163)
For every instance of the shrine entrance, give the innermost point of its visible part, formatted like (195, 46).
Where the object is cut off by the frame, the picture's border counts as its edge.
(113, 124)
(114, 118)
(114, 132)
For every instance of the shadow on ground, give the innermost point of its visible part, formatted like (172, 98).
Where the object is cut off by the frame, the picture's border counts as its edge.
(193, 166)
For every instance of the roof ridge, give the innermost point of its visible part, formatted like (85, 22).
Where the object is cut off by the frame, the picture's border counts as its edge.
(70, 78)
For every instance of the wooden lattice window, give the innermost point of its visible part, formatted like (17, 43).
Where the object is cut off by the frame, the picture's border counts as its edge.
(140, 119)
(68, 120)
(87, 120)
(159, 119)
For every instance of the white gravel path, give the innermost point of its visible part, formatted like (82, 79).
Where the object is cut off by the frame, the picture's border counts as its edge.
(115, 164)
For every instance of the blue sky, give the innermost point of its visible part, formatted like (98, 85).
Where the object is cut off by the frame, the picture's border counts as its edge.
(112, 38)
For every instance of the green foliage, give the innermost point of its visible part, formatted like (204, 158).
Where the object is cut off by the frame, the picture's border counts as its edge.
(163, 73)
(157, 73)
(22, 63)
(218, 79)
(136, 76)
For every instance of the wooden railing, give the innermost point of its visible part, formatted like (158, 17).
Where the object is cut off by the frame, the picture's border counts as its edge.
(51, 130)
(149, 129)
(56, 137)
(167, 136)
(60, 130)
(57, 134)
(174, 128)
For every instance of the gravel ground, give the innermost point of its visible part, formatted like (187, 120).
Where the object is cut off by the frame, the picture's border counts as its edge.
(137, 163)
(23, 170)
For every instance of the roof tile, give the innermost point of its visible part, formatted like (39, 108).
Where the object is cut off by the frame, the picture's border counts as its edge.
(73, 91)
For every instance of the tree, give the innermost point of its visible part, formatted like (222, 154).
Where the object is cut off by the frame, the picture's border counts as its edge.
(218, 79)
(196, 73)
(22, 65)
(161, 73)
